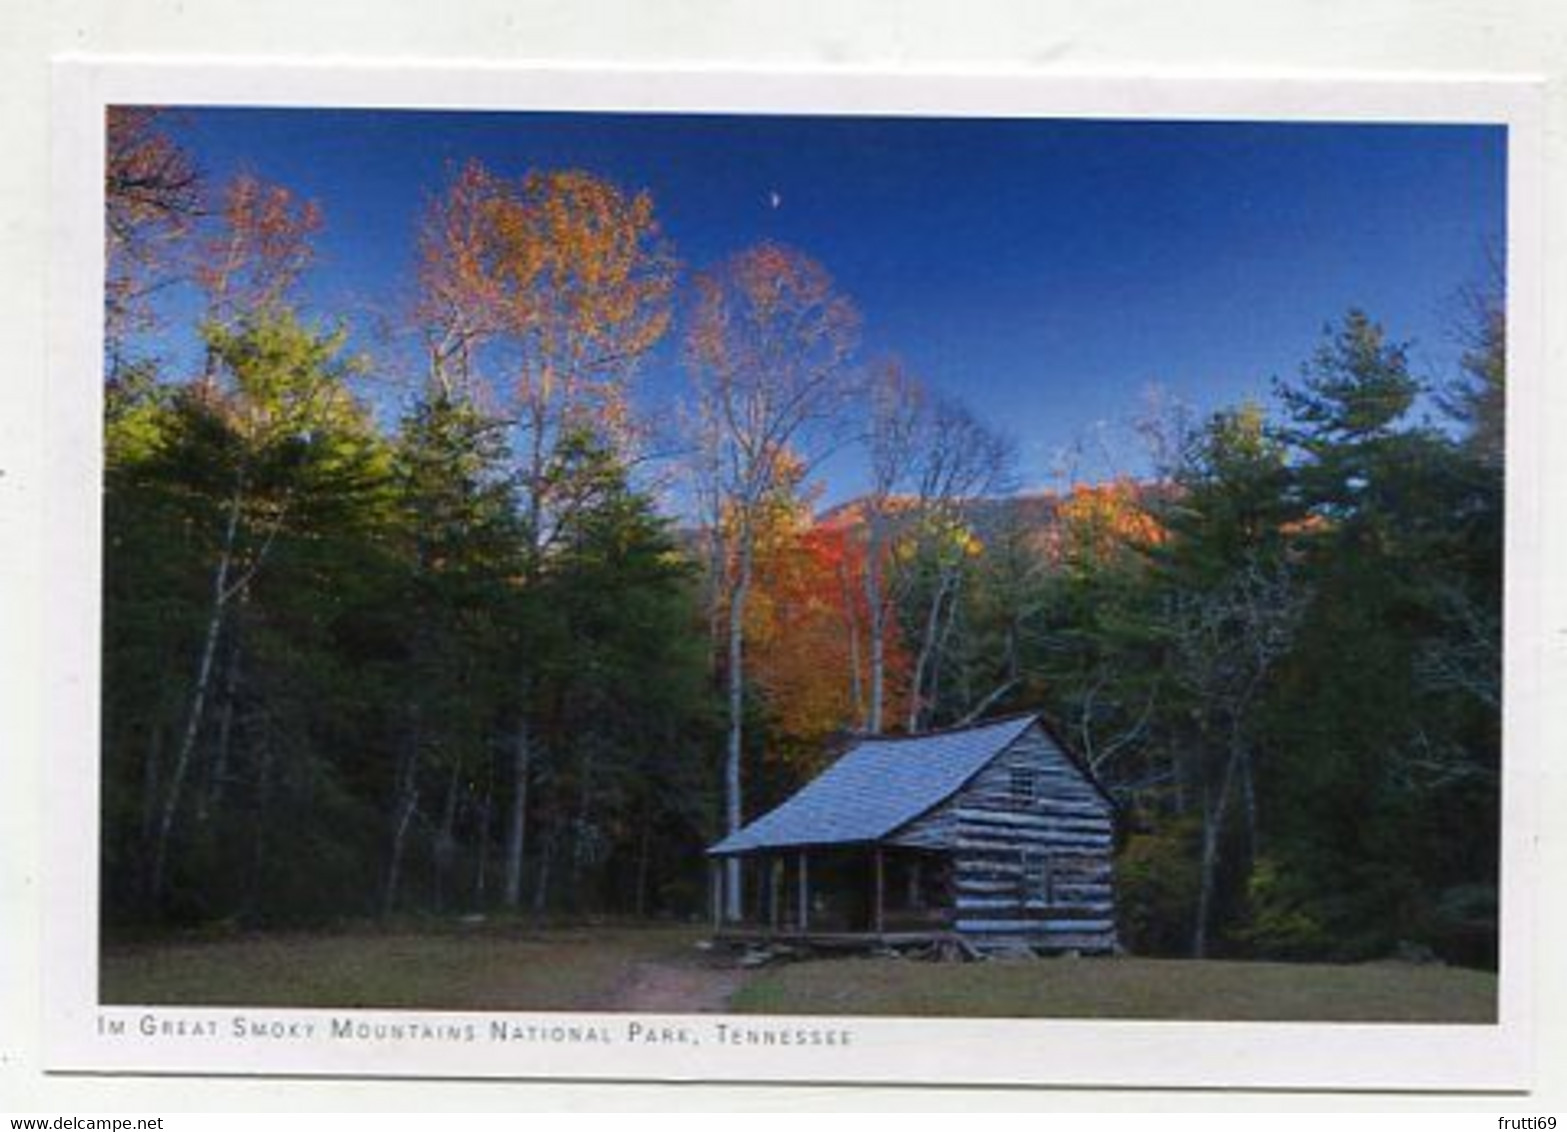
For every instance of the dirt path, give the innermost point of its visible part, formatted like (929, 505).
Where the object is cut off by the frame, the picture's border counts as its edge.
(678, 988)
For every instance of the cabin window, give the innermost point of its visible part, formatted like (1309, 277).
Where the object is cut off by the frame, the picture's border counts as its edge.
(1025, 787)
(1038, 879)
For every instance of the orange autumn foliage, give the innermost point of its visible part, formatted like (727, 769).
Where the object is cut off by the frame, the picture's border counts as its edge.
(262, 244)
(564, 280)
(805, 632)
(152, 195)
(1096, 523)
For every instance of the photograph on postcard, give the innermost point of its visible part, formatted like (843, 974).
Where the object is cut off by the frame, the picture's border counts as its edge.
(717, 574)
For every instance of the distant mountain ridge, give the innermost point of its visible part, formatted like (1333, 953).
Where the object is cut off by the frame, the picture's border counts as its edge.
(1029, 509)
(1035, 508)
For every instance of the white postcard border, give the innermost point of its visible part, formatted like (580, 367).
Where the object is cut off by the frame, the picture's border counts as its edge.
(80, 1036)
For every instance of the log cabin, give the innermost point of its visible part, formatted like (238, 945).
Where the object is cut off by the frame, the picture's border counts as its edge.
(989, 838)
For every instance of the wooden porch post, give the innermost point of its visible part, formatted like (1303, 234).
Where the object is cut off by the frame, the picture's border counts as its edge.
(805, 893)
(880, 919)
(715, 892)
(774, 884)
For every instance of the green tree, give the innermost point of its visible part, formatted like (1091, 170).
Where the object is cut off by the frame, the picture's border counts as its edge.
(276, 455)
(1229, 603)
(1388, 797)
(551, 288)
(461, 549)
(625, 706)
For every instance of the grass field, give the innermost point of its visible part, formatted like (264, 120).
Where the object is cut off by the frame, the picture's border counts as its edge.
(497, 967)
(1189, 990)
(493, 968)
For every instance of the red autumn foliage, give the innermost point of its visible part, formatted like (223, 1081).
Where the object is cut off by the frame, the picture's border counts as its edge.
(806, 632)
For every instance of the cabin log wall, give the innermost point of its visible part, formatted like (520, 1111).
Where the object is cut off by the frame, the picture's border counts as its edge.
(1033, 871)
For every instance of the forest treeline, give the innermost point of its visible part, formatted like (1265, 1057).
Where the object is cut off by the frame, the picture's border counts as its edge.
(488, 638)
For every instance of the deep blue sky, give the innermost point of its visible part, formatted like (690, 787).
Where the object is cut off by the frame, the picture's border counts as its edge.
(1047, 271)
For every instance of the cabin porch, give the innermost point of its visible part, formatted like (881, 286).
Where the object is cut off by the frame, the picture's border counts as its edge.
(836, 896)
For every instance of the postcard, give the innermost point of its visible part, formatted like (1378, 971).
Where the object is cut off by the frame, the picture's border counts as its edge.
(793, 576)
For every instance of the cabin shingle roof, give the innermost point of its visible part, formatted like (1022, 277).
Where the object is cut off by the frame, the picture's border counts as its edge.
(877, 786)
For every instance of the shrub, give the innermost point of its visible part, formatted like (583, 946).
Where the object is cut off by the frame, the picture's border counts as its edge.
(1156, 885)
(1283, 921)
